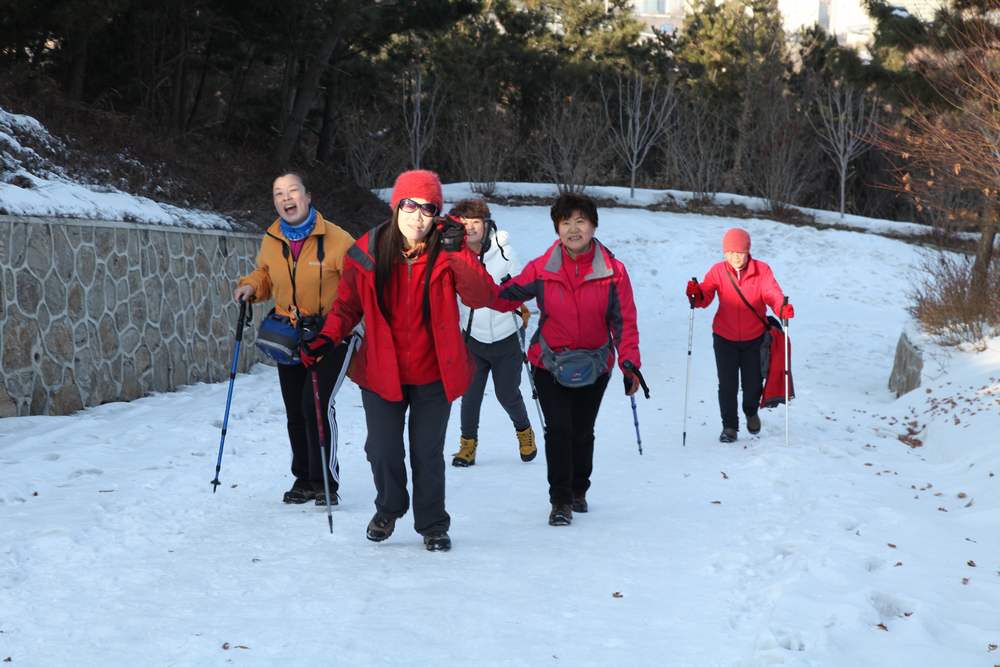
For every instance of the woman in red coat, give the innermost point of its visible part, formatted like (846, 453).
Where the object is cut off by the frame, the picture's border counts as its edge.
(413, 358)
(587, 312)
(738, 328)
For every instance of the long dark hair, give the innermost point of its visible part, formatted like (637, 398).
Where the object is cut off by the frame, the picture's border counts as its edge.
(389, 253)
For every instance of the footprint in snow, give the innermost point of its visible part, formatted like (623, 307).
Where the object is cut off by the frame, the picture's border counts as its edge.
(85, 471)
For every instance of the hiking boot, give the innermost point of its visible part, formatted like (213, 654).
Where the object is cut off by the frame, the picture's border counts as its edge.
(466, 454)
(561, 515)
(728, 435)
(580, 503)
(753, 424)
(526, 444)
(301, 492)
(321, 498)
(437, 541)
(380, 527)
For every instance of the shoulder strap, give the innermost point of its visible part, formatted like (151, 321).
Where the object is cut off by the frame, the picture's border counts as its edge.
(744, 299)
(319, 254)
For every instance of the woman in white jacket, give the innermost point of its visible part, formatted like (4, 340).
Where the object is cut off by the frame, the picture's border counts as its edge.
(492, 338)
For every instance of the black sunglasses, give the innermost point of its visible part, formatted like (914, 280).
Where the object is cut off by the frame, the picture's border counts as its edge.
(410, 206)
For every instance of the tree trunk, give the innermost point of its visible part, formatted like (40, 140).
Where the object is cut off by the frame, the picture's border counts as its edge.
(843, 189)
(324, 150)
(78, 68)
(201, 85)
(239, 85)
(304, 99)
(984, 255)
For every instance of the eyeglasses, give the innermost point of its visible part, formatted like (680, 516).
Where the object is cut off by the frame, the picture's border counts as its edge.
(410, 206)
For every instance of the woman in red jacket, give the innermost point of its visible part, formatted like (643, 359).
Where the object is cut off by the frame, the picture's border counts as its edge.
(413, 357)
(587, 312)
(738, 328)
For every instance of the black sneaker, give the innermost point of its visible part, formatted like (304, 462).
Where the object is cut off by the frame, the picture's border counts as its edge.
(380, 527)
(580, 503)
(753, 424)
(728, 435)
(437, 541)
(301, 492)
(561, 515)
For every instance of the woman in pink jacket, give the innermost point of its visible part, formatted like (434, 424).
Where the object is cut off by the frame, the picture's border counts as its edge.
(586, 313)
(745, 286)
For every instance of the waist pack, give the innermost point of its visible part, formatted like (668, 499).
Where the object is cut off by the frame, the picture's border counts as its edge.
(575, 368)
(280, 340)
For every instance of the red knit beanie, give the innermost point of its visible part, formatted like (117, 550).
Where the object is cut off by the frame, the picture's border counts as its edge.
(736, 240)
(418, 183)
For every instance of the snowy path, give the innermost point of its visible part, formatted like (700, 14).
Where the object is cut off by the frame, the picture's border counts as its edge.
(748, 554)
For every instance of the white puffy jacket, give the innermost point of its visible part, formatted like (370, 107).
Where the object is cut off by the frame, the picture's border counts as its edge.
(489, 326)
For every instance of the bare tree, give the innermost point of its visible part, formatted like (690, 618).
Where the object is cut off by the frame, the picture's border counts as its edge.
(571, 147)
(366, 136)
(638, 115)
(958, 149)
(696, 149)
(482, 144)
(848, 121)
(421, 101)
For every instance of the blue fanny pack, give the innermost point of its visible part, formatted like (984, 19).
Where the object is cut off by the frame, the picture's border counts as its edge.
(279, 339)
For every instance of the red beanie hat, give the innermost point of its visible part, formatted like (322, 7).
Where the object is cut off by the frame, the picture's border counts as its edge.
(418, 183)
(736, 240)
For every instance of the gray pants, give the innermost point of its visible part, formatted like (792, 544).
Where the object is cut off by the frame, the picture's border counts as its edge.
(429, 410)
(504, 358)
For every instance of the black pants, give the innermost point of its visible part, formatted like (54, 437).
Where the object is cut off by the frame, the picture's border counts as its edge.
(570, 415)
(738, 362)
(300, 408)
(429, 409)
(504, 359)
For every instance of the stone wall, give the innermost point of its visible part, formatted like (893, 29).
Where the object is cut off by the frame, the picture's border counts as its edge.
(907, 367)
(92, 312)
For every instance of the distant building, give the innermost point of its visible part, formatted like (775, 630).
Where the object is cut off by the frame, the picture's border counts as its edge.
(846, 19)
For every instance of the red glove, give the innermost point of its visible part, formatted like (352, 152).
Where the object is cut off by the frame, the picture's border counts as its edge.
(786, 312)
(694, 292)
(313, 351)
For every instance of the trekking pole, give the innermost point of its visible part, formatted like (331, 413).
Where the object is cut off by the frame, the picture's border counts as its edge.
(687, 383)
(321, 430)
(531, 378)
(240, 323)
(787, 370)
(635, 412)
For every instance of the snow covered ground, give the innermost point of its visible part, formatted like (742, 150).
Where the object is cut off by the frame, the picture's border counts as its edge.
(31, 185)
(846, 548)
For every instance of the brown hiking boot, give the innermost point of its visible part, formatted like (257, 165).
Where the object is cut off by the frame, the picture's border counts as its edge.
(526, 444)
(466, 454)
(561, 515)
(380, 527)
(753, 424)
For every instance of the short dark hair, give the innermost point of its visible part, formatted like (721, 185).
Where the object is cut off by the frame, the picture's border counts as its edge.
(569, 202)
(296, 174)
(473, 207)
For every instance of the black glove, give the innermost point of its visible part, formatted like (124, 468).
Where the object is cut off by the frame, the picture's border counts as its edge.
(452, 235)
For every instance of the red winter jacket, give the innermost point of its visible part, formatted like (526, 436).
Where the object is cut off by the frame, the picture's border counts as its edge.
(579, 309)
(409, 349)
(734, 321)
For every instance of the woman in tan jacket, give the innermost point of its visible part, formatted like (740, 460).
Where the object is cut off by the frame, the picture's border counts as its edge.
(299, 266)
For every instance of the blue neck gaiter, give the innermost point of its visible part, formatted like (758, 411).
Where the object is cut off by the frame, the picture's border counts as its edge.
(302, 230)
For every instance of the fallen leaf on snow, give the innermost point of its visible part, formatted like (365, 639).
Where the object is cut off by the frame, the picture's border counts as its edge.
(991, 647)
(890, 545)
(971, 563)
(724, 475)
(617, 594)
(899, 563)
(716, 502)
(881, 626)
(965, 581)
(225, 646)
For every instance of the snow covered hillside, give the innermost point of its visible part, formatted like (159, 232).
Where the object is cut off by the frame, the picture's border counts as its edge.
(32, 183)
(846, 548)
